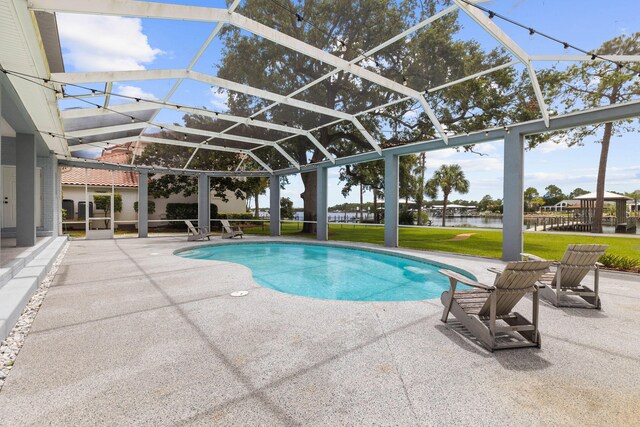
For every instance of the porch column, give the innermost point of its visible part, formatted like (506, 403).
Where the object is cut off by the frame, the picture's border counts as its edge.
(322, 206)
(143, 204)
(25, 189)
(513, 215)
(391, 184)
(274, 205)
(204, 218)
(57, 197)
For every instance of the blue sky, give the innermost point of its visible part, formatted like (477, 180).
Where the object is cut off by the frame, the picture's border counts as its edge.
(124, 43)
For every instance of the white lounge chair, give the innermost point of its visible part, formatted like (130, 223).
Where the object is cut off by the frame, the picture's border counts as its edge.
(229, 232)
(567, 279)
(197, 233)
(480, 309)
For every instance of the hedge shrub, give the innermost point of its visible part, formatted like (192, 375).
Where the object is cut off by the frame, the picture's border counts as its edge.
(186, 211)
(151, 206)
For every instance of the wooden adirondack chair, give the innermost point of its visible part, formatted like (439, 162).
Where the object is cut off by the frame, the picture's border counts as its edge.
(480, 309)
(567, 279)
(229, 232)
(197, 233)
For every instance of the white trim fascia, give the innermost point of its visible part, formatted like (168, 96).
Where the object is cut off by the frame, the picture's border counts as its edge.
(133, 9)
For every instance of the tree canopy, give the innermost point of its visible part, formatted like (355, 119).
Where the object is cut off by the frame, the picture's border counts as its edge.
(431, 57)
(594, 84)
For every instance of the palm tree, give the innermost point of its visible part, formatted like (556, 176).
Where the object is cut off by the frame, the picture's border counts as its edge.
(448, 178)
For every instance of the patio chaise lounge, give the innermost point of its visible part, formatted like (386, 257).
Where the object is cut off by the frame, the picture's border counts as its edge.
(197, 233)
(567, 279)
(229, 232)
(487, 310)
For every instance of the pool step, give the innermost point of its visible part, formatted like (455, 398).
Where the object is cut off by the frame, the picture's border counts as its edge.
(16, 292)
(14, 266)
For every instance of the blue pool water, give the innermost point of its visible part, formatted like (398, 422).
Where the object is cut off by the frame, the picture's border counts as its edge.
(331, 272)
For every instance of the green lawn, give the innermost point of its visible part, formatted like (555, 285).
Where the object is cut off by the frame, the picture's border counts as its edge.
(481, 243)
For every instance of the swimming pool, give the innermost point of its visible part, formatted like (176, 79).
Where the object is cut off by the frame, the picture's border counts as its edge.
(331, 272)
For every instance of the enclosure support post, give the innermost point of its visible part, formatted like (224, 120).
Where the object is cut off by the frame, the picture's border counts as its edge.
(143, 204)
(274, 205)
(25, 189)
(391, 184)
(204, 218)
(322, 226)
(513, 215)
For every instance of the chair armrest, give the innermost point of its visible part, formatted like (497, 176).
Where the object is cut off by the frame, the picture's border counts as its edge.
(532, 257)
(465, 280)
(495, 270)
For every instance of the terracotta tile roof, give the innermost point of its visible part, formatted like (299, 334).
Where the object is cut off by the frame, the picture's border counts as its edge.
(77, 176)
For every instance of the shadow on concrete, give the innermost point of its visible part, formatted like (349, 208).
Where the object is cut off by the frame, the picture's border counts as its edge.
(461, 336)
(519, 359)
(258, 393)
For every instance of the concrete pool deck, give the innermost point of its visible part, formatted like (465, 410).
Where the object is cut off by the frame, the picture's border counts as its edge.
(131, 334)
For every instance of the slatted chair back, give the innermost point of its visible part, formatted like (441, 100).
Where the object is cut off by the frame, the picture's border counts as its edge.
(226, 226)
(517, 279)
(576, 263)
(191, 228)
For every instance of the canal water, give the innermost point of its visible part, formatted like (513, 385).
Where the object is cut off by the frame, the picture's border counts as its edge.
(476, 221)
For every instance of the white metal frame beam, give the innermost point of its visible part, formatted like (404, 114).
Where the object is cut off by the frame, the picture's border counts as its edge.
(193, 62)
(133, 107)
(104, 130)
(107, 76)
(501, 37)
(208, 147)
(228, 16)
(129, 109)
(176, 12)
(359, 58)
(583, 58)
(217, 135)
(107, 143)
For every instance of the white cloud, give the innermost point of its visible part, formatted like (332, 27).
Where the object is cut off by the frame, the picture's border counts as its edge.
(132, 91)
(103, 43)
(218, 100)
(550, 147)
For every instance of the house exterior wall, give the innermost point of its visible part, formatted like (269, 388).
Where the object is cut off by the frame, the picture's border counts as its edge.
(130, 196)
(47, 190)
(233, 205)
